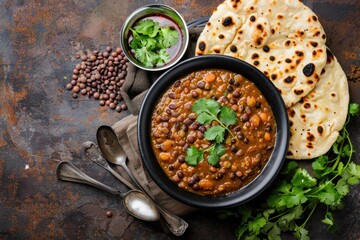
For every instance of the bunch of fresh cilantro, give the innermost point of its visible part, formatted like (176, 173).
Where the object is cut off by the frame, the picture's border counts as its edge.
(150, 41)
(207, 111)
(296, 193)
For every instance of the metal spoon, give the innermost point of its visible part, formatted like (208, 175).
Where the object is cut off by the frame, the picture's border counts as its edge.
(113, 152)
(135, 202)
(93, 152)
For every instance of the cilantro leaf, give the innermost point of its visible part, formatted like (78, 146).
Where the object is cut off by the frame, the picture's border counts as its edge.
(289, 168)
(205, 118)
(354, 169)
(209, 106)
(329, 219)
(354, 109)
(335, 148)
(268, 212)
(328, 194)
(194, 155)
(200, 106)
(302, 179)
(301, 233)
(320, 165)
(240, 231)
(296, 197)
(256, 224)
(215, 152)
(145, 56)
(274, 233)
(287, 221)
(227, 116)
(245, 213)
(148, 34)
(164, 57)
(147, 27)
(169, 37)
(213, 106)
(346, 151)
(216, 133)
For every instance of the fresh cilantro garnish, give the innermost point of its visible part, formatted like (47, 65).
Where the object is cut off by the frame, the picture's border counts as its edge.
(215, 152)
(296, 193)
(169, 37)
(150, 42)
(216, 133)
(147, 27)
(194, 155)
(354, 109)
(207, 111)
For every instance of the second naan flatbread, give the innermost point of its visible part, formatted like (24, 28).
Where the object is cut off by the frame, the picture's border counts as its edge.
(316, 120)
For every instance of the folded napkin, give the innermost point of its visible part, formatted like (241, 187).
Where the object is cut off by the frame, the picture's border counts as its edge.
(133, 91)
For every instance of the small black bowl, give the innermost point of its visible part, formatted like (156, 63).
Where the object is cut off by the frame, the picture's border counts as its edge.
(275, 162)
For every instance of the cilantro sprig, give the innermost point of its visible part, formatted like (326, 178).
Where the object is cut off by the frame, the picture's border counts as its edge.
(296, 193)
(208, 111)
(150, 42)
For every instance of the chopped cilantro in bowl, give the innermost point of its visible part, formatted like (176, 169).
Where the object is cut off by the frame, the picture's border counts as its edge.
(150, 41)
(154, 37)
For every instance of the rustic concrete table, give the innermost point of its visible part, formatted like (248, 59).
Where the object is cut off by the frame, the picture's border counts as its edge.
(41, 124)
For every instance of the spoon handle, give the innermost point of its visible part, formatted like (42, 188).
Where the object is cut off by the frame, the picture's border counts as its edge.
(93, 152)
(66, 171)
(176, 224)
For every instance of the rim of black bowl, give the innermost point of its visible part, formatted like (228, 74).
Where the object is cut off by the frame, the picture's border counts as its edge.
(275, 162)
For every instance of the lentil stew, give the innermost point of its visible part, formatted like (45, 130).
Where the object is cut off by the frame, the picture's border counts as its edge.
(175, 128)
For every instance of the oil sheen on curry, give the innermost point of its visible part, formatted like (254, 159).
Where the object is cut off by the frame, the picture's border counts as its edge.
(212, 132)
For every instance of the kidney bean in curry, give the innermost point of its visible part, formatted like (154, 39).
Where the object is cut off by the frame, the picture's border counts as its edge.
(174, 129)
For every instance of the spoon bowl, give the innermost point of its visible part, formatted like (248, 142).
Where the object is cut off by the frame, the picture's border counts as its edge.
(110, 146)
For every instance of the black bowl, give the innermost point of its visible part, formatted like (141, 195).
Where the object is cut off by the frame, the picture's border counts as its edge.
(274, 164)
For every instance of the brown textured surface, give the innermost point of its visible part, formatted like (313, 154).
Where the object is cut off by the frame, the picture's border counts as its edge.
(41, 124)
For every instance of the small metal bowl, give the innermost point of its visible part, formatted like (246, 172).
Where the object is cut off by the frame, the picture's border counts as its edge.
(148, 10)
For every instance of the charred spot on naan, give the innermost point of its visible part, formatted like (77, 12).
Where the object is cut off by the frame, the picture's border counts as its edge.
(313, 43)
(289, 79)
(291, 112)
(317, 53)
(309, 69)
(291, 123)
(228, 22)
(202, 46)
(273, 76)
(235, 3)
(216, 50)
(266, 48)
(289, 153)
(298, 91)
(307, 105)
(320, 130)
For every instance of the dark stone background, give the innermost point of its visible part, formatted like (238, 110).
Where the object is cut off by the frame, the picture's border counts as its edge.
(41, 124)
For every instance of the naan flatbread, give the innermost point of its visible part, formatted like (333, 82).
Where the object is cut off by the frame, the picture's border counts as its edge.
(282, 38)
(316, 120)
